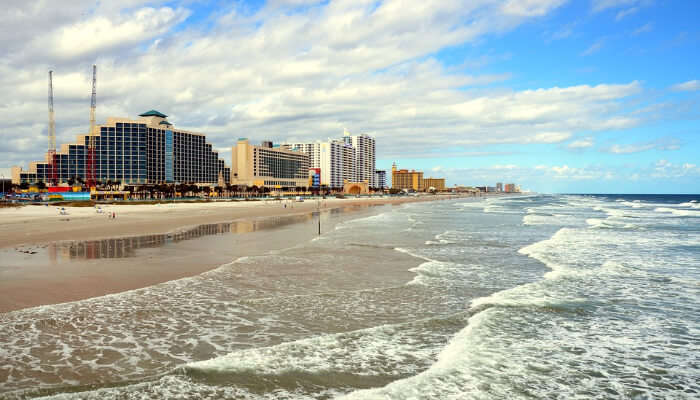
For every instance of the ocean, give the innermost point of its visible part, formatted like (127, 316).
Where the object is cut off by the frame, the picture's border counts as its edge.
(530, 296)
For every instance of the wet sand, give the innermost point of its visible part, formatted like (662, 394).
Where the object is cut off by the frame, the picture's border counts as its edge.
(49, 258)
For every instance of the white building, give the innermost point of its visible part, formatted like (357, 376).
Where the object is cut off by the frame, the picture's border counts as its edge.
(334, 158)
(365, 161)
(352, 159)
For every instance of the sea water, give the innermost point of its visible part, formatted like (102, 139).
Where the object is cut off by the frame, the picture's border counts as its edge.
(509, 297)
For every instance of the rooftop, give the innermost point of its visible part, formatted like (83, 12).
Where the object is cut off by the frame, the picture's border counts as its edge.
(153, 113)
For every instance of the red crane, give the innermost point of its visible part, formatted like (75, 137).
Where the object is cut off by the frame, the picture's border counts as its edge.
(53, 179)
(90, 164)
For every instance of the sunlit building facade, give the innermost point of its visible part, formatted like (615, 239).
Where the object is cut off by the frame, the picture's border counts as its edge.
(364, 157)
(405, 179)
(149, 150)
(435, 183)
(334, 158)
(268, 166)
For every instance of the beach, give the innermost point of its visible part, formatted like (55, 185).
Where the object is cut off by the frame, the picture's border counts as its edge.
(31, 236)
(533, 296)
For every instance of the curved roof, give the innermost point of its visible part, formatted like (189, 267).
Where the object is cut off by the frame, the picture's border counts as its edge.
(164, 123)
(153, 113)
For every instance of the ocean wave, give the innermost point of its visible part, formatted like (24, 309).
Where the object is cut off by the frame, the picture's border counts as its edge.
(610, 224)
(677, 212)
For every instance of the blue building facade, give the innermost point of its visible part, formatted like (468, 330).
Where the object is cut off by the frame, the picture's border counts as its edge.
(144, 151)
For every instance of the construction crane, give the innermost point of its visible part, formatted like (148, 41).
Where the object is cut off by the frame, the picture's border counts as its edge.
(90, 164)
(52, 136)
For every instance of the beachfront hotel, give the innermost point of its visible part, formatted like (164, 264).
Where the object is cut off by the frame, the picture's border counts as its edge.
(405, 179)
(148, 150)
(334, 158)
(267, 165)
(351, 159)
(365, 161)
(435, 183)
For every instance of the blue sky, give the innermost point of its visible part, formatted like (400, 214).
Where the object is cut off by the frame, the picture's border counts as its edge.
(557, 96)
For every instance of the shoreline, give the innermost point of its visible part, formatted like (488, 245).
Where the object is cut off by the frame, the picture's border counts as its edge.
(35, 224)
(31, 278)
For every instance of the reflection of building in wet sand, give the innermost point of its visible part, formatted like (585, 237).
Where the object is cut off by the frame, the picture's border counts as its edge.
(126, 247)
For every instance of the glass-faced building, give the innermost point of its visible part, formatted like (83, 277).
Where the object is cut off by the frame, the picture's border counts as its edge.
(144, 151)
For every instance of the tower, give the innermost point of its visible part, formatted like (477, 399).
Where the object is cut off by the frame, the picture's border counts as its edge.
(90, 164)
(52, 136)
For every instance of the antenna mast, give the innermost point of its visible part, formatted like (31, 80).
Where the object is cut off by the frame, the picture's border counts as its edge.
(52, 135)
(90, 165)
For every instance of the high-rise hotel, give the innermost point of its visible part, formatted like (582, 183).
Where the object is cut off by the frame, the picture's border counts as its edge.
(350, 159)
(149, 150)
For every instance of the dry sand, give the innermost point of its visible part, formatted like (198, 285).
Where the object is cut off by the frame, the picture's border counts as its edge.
(28, 280)
(41, 224)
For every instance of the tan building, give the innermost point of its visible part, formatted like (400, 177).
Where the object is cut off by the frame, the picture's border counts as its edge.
(405, 179)
(269, 166)
(437, 183)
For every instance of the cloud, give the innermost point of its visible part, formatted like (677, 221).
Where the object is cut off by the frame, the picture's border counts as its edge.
(689, 86)
(105, 33)
(530, 8)
(545, 176)
(624, 13)
(668, 144)
(642, 29)
(581, 143)
(296, 74)
(508, 166)
(664, 169)
(602, 5)
(594, 48)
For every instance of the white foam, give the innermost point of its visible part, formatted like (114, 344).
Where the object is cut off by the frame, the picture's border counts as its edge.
(383, 350)
(677, 212)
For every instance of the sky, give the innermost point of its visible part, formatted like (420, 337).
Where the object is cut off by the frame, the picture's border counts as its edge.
(578, 96)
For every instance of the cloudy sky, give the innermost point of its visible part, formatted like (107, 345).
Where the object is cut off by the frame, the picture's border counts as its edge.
(558, 96)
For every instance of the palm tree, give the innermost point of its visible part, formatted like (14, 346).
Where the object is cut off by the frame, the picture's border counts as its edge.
(254, 189)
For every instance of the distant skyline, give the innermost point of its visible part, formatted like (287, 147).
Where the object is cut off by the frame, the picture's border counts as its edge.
(599, 96)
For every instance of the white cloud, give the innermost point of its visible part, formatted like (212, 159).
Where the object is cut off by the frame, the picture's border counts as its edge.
(664, 144)
(285, 74)
(642, 29)
(689, 86)
(664, 169)
(508, 166)
(530, 8)
(594, 48)
(602, 5)
(108, 32)
(624, 13)
(581, 143)
(627, 149)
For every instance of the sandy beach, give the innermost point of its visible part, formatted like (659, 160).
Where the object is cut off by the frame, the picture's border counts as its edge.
(40, 248)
